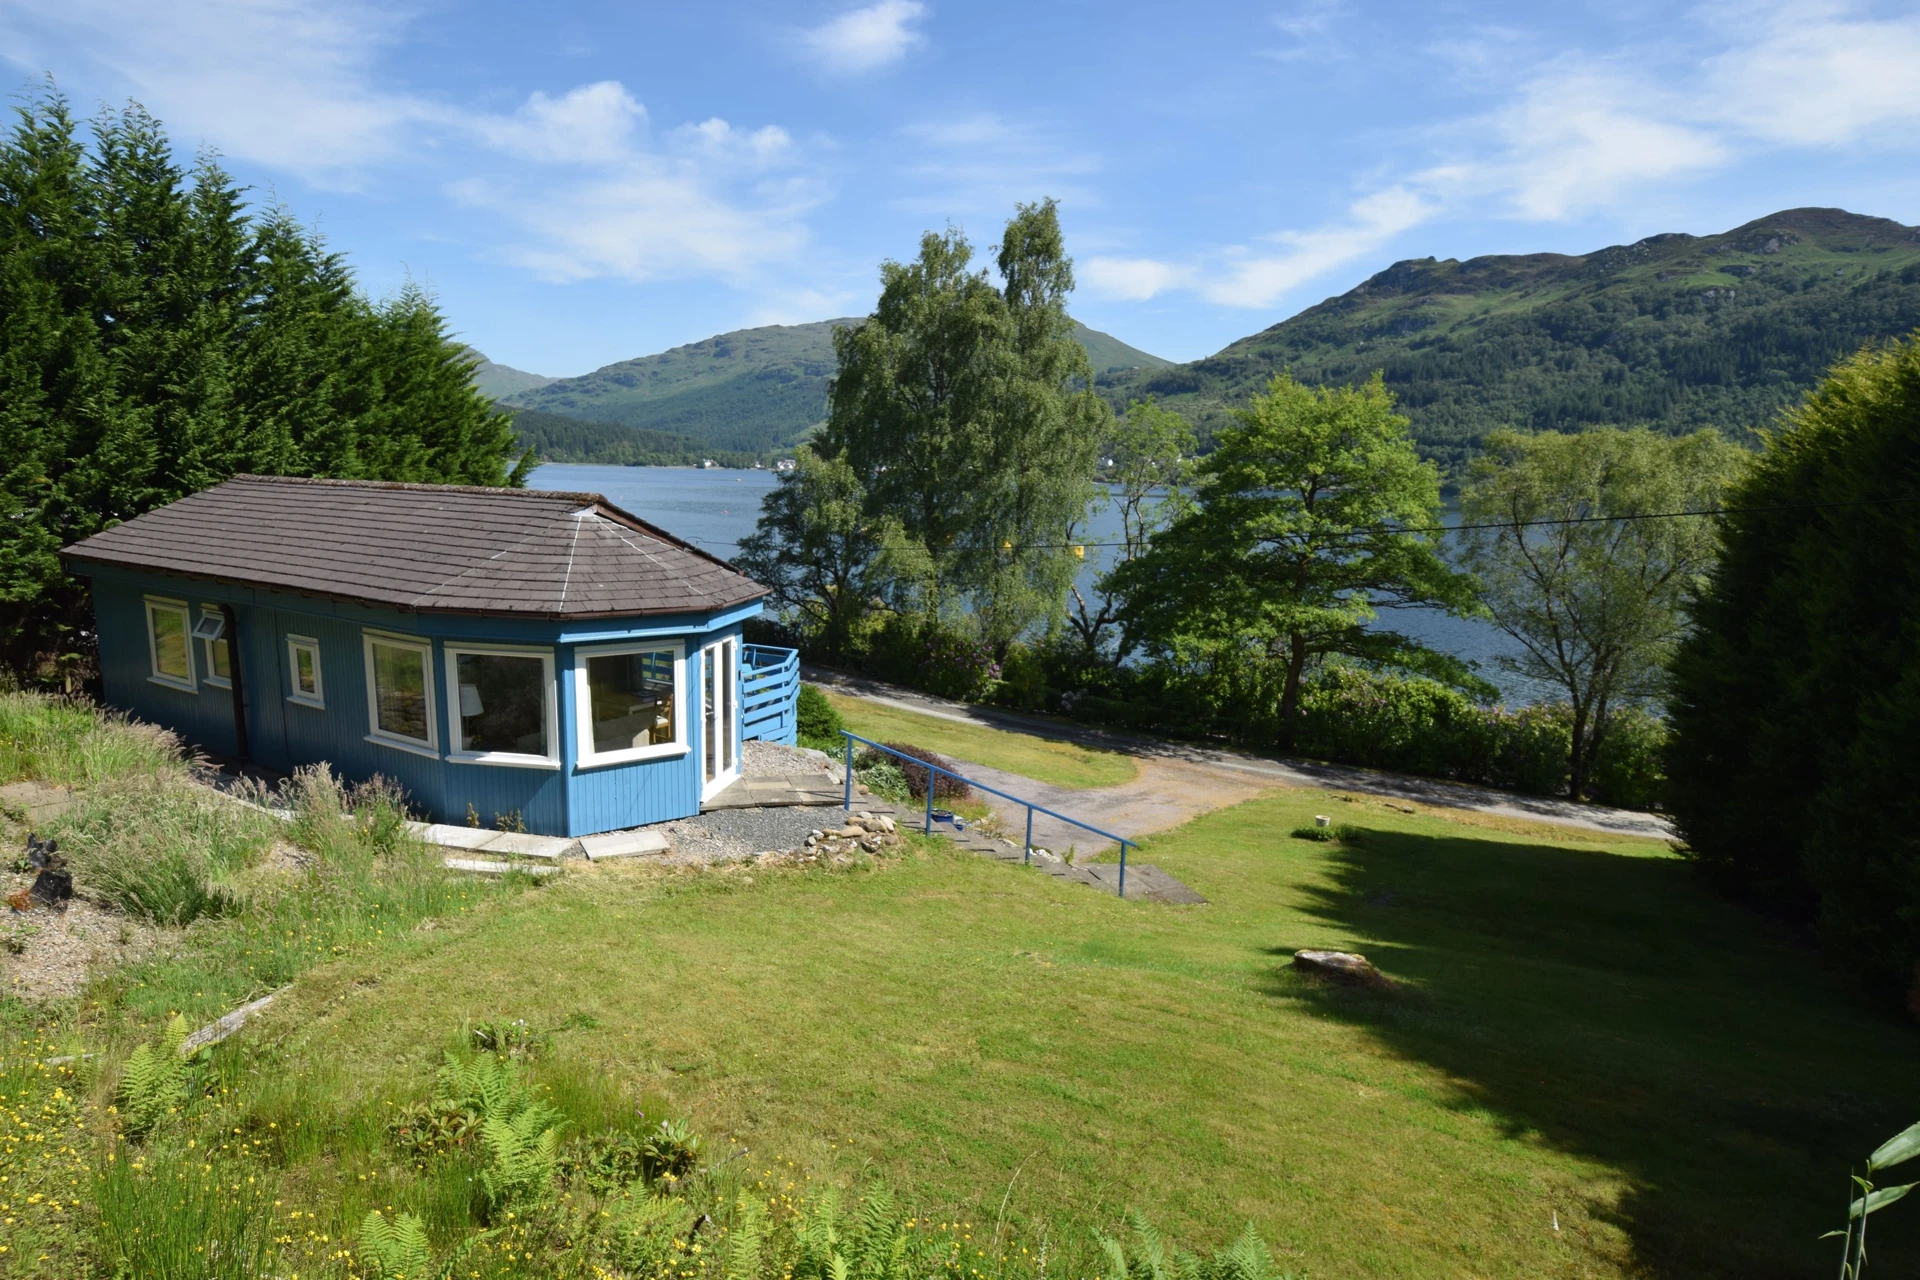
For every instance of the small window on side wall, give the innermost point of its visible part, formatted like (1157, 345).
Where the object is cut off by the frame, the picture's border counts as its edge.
(215, 657)
(400, 711)
(303, 672)
(169, 652)
(629, 703)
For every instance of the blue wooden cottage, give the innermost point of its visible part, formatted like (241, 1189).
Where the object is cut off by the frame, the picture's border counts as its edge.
(501, 653)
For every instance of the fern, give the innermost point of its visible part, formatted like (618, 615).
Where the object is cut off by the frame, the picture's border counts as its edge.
(521, 1136)
(744, 1243)
(522, 1151)
(154, 1081)
(1246, 1258)
(395, 1250)
(399, 1250)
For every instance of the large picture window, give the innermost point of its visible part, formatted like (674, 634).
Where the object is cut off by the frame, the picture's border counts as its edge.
(630, 705)
(169, 652)
(503, 709)
(400, 708)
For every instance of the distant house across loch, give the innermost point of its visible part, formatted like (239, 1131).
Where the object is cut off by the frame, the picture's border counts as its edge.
(509, 655)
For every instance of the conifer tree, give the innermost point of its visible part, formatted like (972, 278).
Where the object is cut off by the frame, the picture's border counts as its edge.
(156, 337)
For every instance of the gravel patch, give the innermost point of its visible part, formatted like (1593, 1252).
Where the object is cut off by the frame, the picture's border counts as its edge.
(771, 760)
(58, 950)
(726, 835)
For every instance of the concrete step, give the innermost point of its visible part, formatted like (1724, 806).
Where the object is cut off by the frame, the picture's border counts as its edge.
(637, 843)
(481, 839)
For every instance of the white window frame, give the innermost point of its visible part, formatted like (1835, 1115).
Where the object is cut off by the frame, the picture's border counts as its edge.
(583, 704)
(457, 752)
(430, 747)
(318, 698)
(154, 674)
(216, 680)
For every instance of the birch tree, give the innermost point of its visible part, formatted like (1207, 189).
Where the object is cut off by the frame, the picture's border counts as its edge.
(1581, 562)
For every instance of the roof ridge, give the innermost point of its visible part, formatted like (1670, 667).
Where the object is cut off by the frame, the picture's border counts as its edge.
(413, 486)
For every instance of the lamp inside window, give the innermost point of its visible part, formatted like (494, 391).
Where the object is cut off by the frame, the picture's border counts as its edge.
(503, 703)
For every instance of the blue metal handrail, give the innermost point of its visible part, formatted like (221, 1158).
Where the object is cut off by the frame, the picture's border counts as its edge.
(1032, 808)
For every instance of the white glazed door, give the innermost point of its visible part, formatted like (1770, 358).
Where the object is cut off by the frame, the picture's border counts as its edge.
(720, 719)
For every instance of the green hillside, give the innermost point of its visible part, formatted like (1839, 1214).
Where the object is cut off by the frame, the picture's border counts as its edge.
(499, 381)
(554, 438)
(1675, 331)
(753, 390)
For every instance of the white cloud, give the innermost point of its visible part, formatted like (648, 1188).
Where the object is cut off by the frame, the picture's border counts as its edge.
(1818, 77)
(1130, 279)
(715, 200)
(866, 39)
(281, 82)
(592, 124)
(1584, 137)
(1259, 280)
(659, 218)
(1308, 28)
(805, 306)
(297, 86)
(1579, 134)
(981, 164)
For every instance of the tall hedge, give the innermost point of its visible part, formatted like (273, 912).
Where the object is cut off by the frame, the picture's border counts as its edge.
(157, 336)
(1795, 709)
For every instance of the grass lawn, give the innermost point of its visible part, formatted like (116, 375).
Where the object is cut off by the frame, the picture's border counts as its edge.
(1593, 1067)
(1064, 764)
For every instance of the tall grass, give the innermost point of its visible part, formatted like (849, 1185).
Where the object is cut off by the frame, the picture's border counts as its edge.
(70, 742)
(171, 1213)
(162, 847)
(367, 883)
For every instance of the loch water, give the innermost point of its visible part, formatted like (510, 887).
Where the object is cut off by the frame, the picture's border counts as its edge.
(714, 508)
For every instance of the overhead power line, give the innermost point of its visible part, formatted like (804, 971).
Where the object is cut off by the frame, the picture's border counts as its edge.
(1523, 524)
(1573, 520)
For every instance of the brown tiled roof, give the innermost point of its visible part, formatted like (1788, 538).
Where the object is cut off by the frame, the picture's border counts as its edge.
(430, 547)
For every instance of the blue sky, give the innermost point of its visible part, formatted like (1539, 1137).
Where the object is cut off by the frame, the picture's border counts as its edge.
(580, 183)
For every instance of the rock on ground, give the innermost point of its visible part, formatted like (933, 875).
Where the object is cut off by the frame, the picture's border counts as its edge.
(1342, 966)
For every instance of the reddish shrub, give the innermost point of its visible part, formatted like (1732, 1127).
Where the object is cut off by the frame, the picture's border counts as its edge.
(945, 785)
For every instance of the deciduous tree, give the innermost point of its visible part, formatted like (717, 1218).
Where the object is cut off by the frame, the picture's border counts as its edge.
(966, 412)
(1151, 456)
(1309, 518)
(1580, 563)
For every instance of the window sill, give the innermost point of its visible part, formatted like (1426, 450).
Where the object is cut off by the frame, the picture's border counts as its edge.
(404, 744)
(504, 759)
(217, 682)
(301, 700)
(169, 682)
(638, 755)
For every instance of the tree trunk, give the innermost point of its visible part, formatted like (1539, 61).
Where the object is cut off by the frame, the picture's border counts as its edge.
(1290, 690)
(1577, 761)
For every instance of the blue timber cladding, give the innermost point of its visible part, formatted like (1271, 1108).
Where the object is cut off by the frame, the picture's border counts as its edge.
(284, 734)
(530, 573)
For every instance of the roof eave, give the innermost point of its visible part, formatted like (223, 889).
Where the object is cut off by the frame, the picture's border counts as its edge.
(556, 615)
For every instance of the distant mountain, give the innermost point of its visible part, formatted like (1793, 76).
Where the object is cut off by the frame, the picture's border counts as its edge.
(1675, 331)
(499, 381)
(752, 391)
